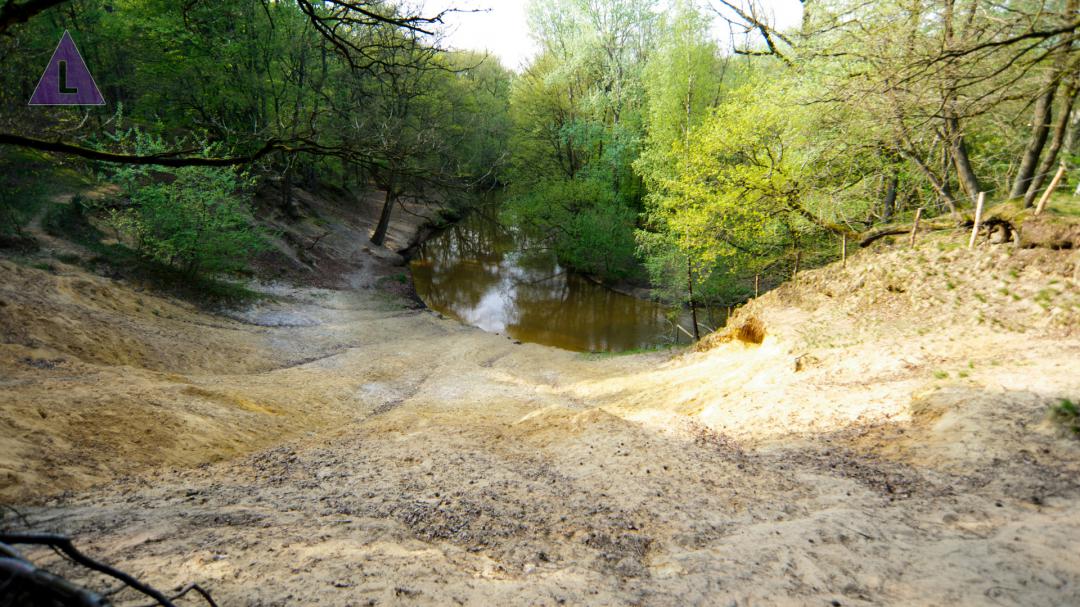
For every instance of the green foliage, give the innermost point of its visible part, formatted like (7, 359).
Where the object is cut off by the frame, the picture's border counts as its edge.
(634, 132)
(1063, 202)
(731, 178)
(683, 80)
(1067, 414)
(669, 268)
(582, 221)
(19, 202)
(27, 181)
(73, 222)
(194, 219)
(241, 72)
(476, 111)
(726, 198)
(578, 127)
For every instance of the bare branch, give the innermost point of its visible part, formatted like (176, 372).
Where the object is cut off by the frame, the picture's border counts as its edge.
(753, 21)
(64, 545)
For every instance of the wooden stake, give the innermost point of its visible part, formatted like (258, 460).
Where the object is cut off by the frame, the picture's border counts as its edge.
(978, 219)
(757, 285)
(1050, 190)
(915, 228)
(688, 334)
(843, 250)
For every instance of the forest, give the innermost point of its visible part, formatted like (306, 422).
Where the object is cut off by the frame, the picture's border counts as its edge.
(703, 302)
(671, 150)
(687, 146)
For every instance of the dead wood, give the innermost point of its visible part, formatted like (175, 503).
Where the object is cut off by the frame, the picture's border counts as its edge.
(19, 576)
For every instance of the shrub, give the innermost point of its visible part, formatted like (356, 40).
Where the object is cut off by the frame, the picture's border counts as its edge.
(195, 219)
(1067, 414)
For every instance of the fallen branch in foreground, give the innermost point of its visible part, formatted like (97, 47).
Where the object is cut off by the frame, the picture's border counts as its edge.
(20, 580)
(14, 569)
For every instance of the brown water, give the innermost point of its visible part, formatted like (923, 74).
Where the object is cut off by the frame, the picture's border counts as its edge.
(478, 272)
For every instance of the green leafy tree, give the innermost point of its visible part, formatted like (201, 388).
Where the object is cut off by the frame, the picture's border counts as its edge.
(579, 123)
(582, 221)
(194, 219)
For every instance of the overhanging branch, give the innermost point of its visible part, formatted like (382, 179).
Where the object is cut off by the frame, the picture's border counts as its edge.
(174, 159)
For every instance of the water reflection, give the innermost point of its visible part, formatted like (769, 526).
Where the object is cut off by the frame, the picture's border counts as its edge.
(479, 273)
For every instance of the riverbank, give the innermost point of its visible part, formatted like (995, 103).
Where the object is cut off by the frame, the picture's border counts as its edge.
(98, 371)
(887, 442)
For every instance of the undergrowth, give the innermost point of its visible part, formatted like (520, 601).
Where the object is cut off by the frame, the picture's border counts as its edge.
(27, 181)
(1067, 414)
(116, 260)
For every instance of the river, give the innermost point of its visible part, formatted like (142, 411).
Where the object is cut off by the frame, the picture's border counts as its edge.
(485, 275)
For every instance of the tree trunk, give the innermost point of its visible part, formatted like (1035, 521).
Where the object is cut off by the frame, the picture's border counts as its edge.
(693, 306)
(1072, 139)
(940, 187)
(288, 203)
(807, 20)
(379, 237)
(1040, 121)
(890, 197)
(946, 167)
(1061, 127)
(954, 135)
(286, 193)
(965, 174)
(1040, 130)
(1072, 144)
(955, 146)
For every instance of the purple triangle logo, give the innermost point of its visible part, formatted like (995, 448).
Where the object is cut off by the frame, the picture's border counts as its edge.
(66, 80)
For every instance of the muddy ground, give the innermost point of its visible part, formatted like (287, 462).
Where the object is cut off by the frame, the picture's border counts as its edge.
(887, 443)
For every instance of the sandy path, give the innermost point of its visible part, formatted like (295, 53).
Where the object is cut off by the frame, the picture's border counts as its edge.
(412, 460)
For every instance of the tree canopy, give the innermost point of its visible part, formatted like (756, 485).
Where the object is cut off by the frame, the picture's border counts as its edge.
(348, 92)
(743, 154)
(662, 141)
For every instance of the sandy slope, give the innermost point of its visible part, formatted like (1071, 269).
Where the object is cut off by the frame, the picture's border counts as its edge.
(367, 453)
